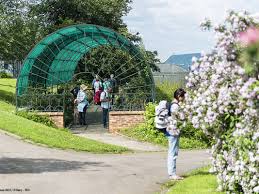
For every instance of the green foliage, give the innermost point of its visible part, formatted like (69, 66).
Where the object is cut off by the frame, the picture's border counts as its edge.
(190, 138)
(164, 91)
(107, 13)
(45, 120)
(196, 135)
(249, 58)
(24, 22)
(7, 90)
(198, 181)
(5, 75)
(19, 31)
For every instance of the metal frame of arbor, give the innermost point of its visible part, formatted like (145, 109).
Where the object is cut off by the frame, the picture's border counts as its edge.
(53, 62)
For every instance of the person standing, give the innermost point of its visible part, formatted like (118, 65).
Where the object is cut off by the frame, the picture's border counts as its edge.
(106, 84)
(97, 86)
(173, 133)
(82, 104)
(105, 104)
(113, 84)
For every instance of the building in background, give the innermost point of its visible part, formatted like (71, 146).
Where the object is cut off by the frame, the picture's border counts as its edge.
(183, 60)
(175, 68)
(170, 73)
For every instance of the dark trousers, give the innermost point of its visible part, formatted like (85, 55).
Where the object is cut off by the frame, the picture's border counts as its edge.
(82, 116)
(105, 117)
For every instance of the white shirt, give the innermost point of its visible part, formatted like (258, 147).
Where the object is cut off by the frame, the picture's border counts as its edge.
(105, 95)
(97, 85)
(81, 100)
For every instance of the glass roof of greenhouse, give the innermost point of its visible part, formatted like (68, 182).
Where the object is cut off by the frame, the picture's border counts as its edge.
(54, 59)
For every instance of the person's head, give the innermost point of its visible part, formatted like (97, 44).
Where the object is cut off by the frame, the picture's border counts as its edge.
(96, 77)
(111, 76)
(179, 94)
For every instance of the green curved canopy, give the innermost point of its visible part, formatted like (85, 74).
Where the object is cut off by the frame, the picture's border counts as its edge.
(54, 59)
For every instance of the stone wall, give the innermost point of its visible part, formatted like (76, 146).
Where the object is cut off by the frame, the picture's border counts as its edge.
(124, 119)
(56, 117)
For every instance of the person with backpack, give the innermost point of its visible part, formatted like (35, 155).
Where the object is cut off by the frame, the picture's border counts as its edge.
(174, 134)
(166, 122)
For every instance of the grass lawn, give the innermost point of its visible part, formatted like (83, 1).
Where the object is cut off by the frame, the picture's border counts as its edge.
(39, 133)
(199, 181)
(51, 137)
(139, 133)
(4, 106)
(7, 90)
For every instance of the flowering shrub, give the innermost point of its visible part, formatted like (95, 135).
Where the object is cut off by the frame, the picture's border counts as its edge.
(222, 100)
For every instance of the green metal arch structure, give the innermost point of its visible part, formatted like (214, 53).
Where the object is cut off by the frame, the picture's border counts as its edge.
(54, 59)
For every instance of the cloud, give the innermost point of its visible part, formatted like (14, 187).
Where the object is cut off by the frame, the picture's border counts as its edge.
(173, 25)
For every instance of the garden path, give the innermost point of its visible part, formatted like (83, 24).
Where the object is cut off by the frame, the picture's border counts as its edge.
(43, 170)
(98, 133)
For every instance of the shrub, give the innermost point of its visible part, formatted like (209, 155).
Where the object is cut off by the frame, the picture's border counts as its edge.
(222, 99)
(190, 137)
(37, 118)
(5, 75)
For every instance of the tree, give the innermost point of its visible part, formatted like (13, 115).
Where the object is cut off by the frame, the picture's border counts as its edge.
(106, 13)
(19, 31)
(25, 22)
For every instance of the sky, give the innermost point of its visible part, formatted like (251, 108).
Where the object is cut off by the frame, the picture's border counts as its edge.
(172, 26)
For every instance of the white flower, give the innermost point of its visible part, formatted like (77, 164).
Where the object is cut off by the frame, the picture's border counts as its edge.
(256, 189)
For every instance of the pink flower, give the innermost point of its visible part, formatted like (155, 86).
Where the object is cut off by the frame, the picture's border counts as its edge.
(249, 37)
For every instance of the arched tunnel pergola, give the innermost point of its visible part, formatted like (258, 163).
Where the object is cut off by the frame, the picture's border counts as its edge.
(53, 61)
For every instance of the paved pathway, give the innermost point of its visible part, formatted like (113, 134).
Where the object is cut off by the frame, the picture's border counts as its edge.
(51, 171)
(100, 134)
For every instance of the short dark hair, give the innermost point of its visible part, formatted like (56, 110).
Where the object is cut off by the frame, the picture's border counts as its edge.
(179, 93)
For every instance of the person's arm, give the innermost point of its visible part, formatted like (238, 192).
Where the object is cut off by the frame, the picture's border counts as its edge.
(174, 109)
(102, 97)
(176, 112)
(93, 82)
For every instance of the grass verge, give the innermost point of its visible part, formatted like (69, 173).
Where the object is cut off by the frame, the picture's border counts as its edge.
(199, 181)
(7, 90)
(51, 137)
(140, 133)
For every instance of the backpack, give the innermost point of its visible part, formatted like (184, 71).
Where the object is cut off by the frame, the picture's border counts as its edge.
(161, 114)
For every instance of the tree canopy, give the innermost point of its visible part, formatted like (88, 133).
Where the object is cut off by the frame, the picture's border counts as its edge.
(25, 22)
